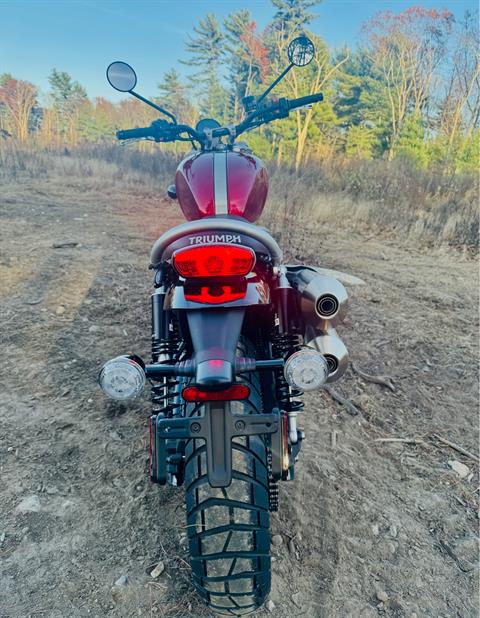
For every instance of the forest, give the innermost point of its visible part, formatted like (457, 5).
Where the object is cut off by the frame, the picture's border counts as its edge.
(409, 89)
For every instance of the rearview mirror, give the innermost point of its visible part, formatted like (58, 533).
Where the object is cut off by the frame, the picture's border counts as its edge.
(121, 76)
(301, 51)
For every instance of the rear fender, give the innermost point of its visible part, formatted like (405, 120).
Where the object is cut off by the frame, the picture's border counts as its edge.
(214, 334)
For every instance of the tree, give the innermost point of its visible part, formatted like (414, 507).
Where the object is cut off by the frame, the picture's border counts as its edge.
(360, 142)
(360, 100)
(207, 52)
(411, 143)
(18, 99)
(316, 77)
(246, 56)
(206, 48)
(292, 15)
(68, 97)
(407, 49)
(96, 121)
(174, 97)
(460, 107)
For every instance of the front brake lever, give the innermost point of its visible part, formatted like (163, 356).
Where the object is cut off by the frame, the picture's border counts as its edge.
(132, 140)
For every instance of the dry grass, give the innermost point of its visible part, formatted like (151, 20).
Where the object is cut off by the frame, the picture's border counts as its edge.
(374, 197)
(379, 198)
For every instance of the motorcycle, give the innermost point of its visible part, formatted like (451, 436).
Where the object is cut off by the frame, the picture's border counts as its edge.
(237, 337)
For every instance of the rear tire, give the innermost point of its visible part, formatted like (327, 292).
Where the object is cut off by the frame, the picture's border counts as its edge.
(229, 528)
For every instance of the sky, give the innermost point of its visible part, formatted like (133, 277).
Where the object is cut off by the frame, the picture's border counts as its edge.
(83, 36)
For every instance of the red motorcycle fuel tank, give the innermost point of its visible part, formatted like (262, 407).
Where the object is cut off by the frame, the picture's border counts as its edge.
(221, 183)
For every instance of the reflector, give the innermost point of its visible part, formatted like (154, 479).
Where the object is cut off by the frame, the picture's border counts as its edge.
(214, 261)
(232, 393)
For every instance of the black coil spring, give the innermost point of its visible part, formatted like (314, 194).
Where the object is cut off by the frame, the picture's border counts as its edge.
(163, 393)
(284, 345)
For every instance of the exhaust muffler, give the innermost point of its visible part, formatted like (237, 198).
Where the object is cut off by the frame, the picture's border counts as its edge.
(323, 300)
(333, 349)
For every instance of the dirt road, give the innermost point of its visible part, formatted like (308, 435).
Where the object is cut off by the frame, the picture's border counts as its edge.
(369, 528)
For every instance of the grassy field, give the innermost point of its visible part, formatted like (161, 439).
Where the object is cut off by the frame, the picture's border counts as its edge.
(395, 200)
(379, 520)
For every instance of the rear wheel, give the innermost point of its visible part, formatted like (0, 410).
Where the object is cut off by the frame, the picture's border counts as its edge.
(228, 528)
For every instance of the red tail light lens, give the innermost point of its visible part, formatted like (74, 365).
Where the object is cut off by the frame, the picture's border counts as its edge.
(232, 393)
(213, 292)
(214, 261)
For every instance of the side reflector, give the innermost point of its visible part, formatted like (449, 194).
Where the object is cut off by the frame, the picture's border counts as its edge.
(233, 393)
(214, 261)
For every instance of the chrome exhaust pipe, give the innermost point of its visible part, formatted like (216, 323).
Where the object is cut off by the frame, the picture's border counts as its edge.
(323, 300)
(334, 352)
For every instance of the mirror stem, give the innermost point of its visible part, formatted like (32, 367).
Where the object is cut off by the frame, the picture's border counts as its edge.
(275, 82)
(155, 106)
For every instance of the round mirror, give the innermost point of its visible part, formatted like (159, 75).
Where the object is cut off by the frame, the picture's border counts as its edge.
(301, 51)
(121, 76)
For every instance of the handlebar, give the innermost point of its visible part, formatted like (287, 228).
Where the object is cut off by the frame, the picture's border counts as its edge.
(163, 131)
(308, 100)
(135, 133)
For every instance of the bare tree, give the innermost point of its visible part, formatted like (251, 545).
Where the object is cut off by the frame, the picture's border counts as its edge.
(408, 48)
(309, 80)
(460, 108)
(18, 98)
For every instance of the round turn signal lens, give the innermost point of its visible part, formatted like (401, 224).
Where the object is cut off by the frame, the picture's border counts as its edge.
(306, 370)
(122, 378)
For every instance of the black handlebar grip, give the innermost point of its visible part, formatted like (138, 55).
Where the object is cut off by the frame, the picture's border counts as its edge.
(301, 101)
(134, 133)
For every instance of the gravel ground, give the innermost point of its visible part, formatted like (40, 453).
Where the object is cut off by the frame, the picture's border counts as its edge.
(369, 528)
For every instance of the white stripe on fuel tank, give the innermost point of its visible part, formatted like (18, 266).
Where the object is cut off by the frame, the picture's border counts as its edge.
(220, 183)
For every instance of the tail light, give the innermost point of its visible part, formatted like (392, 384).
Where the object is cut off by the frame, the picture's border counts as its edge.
(232, 393)
(214, 261)
(215, 292)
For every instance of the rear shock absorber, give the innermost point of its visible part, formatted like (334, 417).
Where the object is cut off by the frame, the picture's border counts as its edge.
(287, 340)
(165, 458)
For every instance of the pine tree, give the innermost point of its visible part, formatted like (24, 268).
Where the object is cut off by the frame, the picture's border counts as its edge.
(68, 97)
(246, 57)
(411, 141)
(66, 93)
(360, 100)
(360, 142)
(174, 96)
(206, 51)
(293, 15)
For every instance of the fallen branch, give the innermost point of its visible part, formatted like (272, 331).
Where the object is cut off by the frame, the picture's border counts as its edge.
(64, 245)
(382, 380)
(351, 409)
(456, 447)
(402, 440)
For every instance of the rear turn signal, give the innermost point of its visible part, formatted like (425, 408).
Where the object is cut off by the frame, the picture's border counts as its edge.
(232, 393)
(306, 370)
(214, 261)
(122, 378)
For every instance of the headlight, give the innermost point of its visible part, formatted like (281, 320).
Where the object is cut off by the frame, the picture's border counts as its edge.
(122, 378)
(306, 370)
